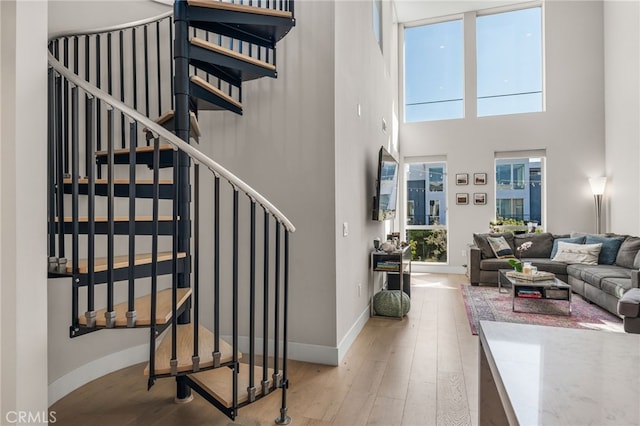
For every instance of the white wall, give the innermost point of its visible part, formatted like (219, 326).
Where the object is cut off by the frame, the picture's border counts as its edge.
(571, 129)
(283, 146)
(23, 284)
(622, 101)
(365, 77)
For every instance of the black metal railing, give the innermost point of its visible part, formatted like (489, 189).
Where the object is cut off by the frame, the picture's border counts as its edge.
(233, 274)
(91, 131)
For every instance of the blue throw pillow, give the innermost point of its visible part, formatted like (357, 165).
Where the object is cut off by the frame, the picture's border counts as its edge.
(572, 240)
(610, 247)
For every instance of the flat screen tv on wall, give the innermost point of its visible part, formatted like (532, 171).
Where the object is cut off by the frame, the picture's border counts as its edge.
(386, 198)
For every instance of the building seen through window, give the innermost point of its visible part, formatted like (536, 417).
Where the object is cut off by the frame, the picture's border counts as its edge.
(426, 220)
(519, 189)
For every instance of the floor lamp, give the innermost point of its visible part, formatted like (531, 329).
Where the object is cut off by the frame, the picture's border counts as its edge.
(597, 188)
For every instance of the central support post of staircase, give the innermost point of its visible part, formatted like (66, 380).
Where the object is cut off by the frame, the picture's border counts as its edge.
(181, 84)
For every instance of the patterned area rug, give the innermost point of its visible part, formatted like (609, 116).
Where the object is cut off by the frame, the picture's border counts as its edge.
(485, 303)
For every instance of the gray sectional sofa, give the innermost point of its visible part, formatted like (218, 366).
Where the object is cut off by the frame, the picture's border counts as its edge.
(603, 284)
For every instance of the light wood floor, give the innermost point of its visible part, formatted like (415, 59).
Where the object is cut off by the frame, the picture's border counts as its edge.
(415, 372)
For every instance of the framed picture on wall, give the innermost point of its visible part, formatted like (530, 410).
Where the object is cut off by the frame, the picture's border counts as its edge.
(480, 178)
(480, 198)
(462, 198)
(462, 178)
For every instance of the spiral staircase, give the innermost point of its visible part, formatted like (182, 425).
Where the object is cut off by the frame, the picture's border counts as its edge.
(126, 189)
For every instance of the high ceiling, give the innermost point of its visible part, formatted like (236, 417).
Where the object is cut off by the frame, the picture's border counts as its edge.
(415, 10)
(65, 15)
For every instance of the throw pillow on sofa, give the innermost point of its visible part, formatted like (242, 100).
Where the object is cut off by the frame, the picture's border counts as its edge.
(572, 240)
(586, 254)
(628, 251)
(610, 247)
(501, 249)
(480, 240)
(541, 245)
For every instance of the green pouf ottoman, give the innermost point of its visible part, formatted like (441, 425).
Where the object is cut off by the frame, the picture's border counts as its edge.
(387, 303)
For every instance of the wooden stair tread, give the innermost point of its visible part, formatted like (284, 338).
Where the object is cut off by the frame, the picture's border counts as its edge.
(100, 263)
(143, 309)
(167, 116)
(99, 219)
(215, 4)
(85, 181)
(184, 349)
(217, 92)
(230, 53)
(219, 383)
(140, 149)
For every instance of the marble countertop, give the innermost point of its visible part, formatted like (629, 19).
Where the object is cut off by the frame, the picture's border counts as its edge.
(562, 376)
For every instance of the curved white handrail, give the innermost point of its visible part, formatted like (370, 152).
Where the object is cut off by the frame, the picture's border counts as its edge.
(178, 143)
(113, 28)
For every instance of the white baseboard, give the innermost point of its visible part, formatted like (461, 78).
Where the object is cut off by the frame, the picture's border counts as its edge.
(95, 369)
(305, 352)
(352, 334)
(438, 269)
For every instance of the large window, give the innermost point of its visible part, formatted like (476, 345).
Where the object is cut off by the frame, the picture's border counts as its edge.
(509, 62)
(519, 189)
(434, 71)
(426, 220)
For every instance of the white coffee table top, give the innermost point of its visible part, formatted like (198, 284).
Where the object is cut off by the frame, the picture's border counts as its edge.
(562, 376)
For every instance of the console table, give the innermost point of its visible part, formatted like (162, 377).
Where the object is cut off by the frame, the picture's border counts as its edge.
(538, 375)
(398, 262)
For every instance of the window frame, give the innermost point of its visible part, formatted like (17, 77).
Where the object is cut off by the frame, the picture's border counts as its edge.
(403, 59)
(442, 202)
(531, 168)
(508, 9)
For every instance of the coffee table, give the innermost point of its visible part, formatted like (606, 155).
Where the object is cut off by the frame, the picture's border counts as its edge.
(552, 289)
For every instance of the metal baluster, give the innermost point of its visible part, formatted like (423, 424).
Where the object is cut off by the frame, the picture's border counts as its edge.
(110, 315)
(216, 273)
(122, 126)
(235, 301)
(90, 314)
(98, 109)
(171, 60)
(276, 315)
(265, 309)
(76, 59)
(154, 262)
(87, 76)
(87, 56)
(65, 122)
(60, 172)
(131, 308)
(284, 419)
(174, 280)
(109, 66)
(134, 68)
(51, 169)
(251, 390)
(159, 69)
(196, 265)
(146, 71)
(75, 174)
